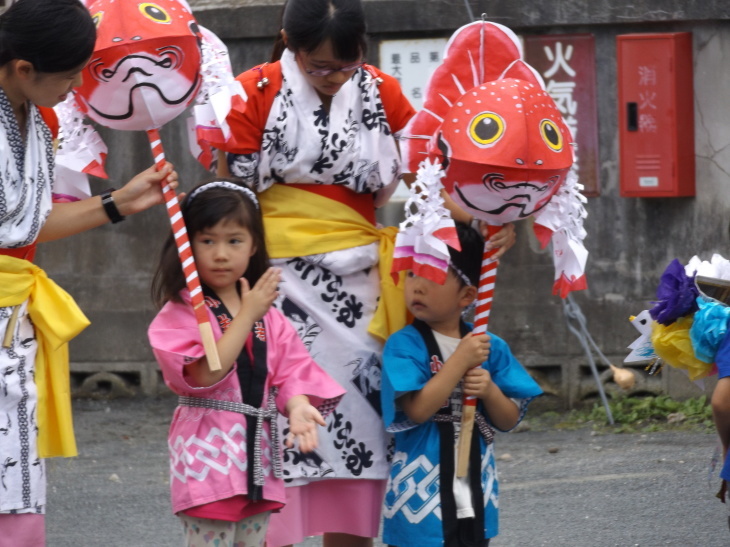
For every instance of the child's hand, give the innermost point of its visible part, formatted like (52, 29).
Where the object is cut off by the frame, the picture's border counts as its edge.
(257, 301)
(473, 350)
(303, 420)
(477, 382)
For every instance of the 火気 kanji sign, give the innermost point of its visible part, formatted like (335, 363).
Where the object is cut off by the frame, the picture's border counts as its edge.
(567, 63)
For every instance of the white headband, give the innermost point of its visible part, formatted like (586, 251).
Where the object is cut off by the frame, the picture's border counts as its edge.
(461, 275)
(225, 184)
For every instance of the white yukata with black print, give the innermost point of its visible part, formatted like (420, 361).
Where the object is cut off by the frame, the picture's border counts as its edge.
(331, 298)
(25, 202)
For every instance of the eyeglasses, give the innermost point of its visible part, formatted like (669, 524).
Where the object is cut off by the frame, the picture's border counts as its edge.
(319, 72)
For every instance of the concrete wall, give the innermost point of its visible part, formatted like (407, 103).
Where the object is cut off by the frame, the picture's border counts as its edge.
(630, 240)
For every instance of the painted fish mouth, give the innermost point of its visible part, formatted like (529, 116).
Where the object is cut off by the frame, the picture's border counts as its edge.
(130, 105)
(499, 210)
(150, 70)
(529, 193)
(495, 182)
(522, 202)
(167, 58)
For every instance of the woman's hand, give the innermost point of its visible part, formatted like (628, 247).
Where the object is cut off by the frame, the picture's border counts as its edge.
(144, 190)
(303, 421)
(140, 193)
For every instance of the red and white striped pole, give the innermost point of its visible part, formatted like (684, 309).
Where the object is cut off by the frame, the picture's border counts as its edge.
(485, 295)
(185, 253)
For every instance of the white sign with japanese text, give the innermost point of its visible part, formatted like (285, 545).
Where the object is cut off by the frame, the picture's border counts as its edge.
(411, 62)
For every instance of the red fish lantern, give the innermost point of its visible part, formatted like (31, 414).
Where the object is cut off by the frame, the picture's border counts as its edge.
(145, 69)
(506, 155)
(505, 150)
(502, 142)
(151, 62)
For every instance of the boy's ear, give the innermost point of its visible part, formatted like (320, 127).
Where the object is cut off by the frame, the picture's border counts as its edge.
(468, 295)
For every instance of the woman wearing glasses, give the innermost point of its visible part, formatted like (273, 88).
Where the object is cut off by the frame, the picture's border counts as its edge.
(317, 141)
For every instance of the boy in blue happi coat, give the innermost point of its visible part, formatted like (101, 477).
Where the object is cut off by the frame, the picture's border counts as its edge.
(428, 366)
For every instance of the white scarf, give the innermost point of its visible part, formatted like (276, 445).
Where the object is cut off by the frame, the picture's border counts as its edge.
(26, 175)
(352, 146)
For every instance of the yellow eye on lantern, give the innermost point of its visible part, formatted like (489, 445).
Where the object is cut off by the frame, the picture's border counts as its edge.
(97, 17)
(154, 12)
(486, 128)
(550, 133)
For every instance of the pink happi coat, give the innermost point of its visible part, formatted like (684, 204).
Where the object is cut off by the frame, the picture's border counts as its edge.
(208, 460)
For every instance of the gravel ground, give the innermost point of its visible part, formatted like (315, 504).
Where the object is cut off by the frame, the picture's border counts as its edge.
(564, 488)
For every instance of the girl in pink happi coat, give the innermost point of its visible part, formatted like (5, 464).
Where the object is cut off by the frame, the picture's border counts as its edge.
(225, 464)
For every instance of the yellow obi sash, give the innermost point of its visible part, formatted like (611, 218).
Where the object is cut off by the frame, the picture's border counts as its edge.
(299, 223)
(57, 319)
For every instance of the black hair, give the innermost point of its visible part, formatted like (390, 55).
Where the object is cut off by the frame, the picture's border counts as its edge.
(52, 35)
(309, 23)
(205, 210)
(469, 259)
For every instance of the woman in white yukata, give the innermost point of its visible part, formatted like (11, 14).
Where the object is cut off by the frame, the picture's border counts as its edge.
(44, 45)
(317, 141)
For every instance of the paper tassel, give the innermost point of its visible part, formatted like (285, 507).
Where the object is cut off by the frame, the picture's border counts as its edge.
(424, 236)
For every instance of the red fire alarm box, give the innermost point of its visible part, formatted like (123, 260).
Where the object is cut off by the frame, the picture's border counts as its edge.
(656, 115)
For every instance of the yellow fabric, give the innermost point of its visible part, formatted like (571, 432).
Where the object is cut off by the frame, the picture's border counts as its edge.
(673, 345)
(57, 319)
(299, 223)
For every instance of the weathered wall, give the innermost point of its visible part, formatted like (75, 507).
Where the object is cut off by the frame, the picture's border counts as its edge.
(630, 240)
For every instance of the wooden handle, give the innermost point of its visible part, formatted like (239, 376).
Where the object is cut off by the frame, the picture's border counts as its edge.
(8, 338)
(467, 426)
(209, 345)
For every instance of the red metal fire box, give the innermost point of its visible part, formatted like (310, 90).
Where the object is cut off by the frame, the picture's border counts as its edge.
(656, 115)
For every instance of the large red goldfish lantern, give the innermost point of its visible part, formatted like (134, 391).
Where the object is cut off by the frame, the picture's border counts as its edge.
(502, 143)
(145, 69)
(497, 142)
(151, 62)
(504, 158)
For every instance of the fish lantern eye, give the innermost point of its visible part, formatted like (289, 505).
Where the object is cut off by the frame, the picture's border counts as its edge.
(195, 29)
(551, 134)
(486, 129)
(154, 12)
(97, 17)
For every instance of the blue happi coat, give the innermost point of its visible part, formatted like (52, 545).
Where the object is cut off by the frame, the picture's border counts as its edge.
(413, 510)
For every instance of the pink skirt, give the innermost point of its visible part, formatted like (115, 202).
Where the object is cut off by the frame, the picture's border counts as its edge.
(346, 506)
(25, 529)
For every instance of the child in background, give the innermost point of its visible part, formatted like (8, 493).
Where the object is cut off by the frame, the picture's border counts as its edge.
(225, 459)
(427, 368)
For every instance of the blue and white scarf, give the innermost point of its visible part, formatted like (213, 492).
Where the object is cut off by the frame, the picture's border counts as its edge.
(26, 176)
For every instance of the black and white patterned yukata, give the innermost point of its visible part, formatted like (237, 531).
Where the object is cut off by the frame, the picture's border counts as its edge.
(25, 201)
